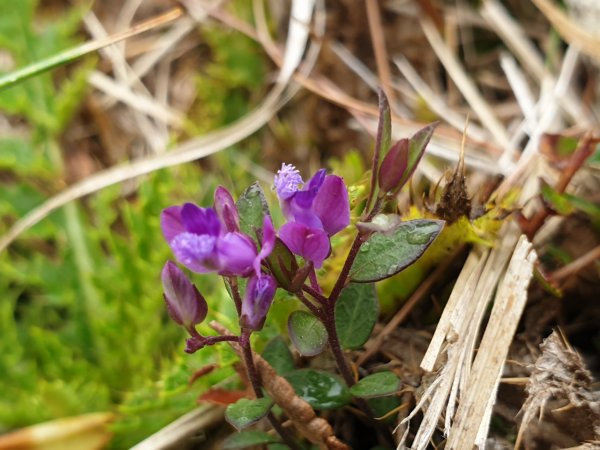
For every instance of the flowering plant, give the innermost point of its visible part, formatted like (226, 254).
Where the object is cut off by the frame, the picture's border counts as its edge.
(238, 241)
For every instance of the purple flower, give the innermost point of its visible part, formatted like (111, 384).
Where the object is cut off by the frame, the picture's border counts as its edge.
(203, 243)
(185, 304)
(260, 291)
(315, 211)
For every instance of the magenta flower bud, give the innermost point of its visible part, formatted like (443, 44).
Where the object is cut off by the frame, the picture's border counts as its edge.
(226, 209)
(393, 166)
(260, 292)
(185, 304)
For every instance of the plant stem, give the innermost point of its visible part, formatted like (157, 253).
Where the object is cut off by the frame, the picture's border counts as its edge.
(315, 310)
(235, 292)
(314, 294)
(334, 344)
(342, 279)
(256, 386)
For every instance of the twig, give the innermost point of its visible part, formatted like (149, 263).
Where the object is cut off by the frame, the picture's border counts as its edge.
(580, 263)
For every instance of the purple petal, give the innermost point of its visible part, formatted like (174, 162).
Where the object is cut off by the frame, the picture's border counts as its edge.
(257, 301)
(226, 209)
(332, 206)
(310, 243)
(304, 198)
(200, 220)
(171, 223)
(237, 253)
(185, 304)
(196, 252)
(268, 243)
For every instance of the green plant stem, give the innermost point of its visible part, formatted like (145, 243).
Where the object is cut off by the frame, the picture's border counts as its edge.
(257, 387)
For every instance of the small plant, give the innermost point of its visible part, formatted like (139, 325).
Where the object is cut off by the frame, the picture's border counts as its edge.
(239, 242)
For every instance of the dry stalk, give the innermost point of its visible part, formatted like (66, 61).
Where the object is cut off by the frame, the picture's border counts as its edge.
(303, 416)
(180, 430)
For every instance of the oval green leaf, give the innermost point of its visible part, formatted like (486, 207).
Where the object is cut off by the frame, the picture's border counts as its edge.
(356, 313)
(245, 412)
(279, 356)
(307, 333)
(322, 390)
(384, 255)
(248, 438)
(378, 384)
(252, 208)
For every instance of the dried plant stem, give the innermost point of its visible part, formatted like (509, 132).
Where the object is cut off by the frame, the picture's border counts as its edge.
(254, 378)
(315, 429)
(577, 265)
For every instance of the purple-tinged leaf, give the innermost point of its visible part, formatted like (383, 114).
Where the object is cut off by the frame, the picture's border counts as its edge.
(394, 166)
(416, 149)
(382, 256)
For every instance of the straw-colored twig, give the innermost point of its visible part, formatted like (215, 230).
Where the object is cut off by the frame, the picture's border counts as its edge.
(181, 430)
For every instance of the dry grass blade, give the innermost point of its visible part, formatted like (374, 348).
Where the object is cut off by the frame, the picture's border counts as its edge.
(88, 47)
(181, 430)
(191, 150)
(471, 421)
(435, 102)
(523, 49)
(571, 32)
(468, 89)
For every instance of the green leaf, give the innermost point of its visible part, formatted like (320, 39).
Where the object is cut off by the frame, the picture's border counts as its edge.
(283, 264)
(322, 390)
(246, 439)
(356, 313)
(381, 406)
(416, 149)
(307, 333)
(279, 356)
(245, 412)
(252, 208)
(378, 384)
(384, 128)
(557, 201)
(386, 254)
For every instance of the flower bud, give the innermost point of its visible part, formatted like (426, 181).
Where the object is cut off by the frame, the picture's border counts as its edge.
(226, 209)
(185, 304)
(393, 166)
(260, 292)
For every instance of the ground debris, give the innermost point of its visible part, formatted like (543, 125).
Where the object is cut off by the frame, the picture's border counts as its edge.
(560, 394)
